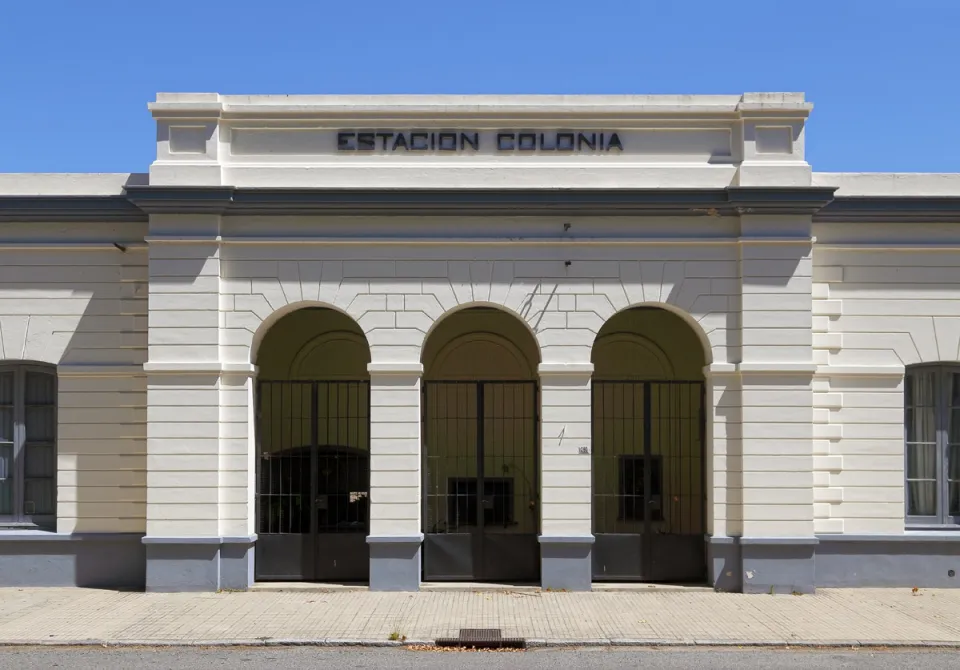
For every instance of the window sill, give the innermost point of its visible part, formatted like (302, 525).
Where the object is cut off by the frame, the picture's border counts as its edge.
(927, 528)
(12, 527)
(34, 534)
(29, 534)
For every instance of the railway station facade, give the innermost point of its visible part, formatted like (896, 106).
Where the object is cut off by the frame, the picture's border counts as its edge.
(558, 340)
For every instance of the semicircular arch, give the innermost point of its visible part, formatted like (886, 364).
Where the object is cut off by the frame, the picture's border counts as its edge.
(477, 305)
(277, 315)
(705, 346)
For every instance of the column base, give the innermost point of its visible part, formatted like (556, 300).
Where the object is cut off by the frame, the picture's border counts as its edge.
(236, 562)
(395, 562)
(566, 562)
(724, 565)
(181, 564)
(778, 564)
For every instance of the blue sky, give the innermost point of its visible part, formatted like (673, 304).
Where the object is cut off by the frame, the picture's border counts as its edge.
(76, 75)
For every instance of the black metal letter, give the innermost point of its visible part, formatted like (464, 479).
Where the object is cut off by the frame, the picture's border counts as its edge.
(399, 142)
(448, 141)
(414, 146)
(546, 147)
(591, 143)
(384, 137)
(343, 142)
(530, 139)
(366, 142)
(500, 141)
(472, 140)
(615, 143)
(564, 141)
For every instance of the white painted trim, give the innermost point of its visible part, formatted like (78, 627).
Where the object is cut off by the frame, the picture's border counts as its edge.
(489, 241)
(860, 371)
(477, 107)
(777, 368)
(73, 246)
(893, 246)
(720, 370)
(734, 369)
(182, 239)
(554, 369)
(200, 368)
(387, 368)
(95, 370)
(239, 368)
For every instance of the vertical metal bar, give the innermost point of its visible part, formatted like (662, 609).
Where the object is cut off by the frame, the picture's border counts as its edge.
(312, 500)
(647, 479)
(19, 438)
(481, 486)
(281, 490)
(506, 451)
(331, 485)
(672, 418)
(268, 462)
(942, 413)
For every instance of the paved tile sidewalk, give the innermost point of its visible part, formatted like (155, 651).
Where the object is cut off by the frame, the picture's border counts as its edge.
(678, 616)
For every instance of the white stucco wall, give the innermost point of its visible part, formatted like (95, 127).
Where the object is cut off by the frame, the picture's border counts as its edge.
(886, 298)
(70, 299)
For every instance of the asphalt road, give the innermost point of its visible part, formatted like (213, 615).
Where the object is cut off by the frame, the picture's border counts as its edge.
(401, 659)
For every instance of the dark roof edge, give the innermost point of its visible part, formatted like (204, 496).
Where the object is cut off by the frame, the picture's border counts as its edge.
(70, 208)
(525, 202)
(891, 209)
(140, 201)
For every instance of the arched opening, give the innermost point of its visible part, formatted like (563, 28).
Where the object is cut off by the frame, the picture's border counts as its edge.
(313, 448)
(480, 444)
(649, 502)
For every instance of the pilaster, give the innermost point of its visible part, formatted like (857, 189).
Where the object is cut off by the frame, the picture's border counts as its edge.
(396, 532)
(776, 411)
(566, 537)
(199, 518)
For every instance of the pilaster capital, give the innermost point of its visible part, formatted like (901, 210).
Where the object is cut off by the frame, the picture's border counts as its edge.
(395, 370)
(565, 369)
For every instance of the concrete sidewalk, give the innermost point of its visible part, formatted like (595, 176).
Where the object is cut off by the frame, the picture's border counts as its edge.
(655, 616)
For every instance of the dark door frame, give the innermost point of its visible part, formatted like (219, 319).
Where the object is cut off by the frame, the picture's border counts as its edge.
(649, 555)
(469, 553)
(300, 551)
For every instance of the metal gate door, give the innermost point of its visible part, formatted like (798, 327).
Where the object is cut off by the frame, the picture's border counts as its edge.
(481, 508)
(313, 480)
(648, 481)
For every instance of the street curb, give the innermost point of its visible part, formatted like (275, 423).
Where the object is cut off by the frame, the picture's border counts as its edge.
(531, 643)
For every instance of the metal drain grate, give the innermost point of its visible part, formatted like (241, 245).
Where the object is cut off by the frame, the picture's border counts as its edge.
(482, 638)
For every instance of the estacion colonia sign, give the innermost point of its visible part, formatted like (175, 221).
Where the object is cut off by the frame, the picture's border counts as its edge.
(571, 141)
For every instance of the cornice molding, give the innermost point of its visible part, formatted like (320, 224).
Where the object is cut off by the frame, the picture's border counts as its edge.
(70, 208)
(733, 201)
(139, 202)
(181, 199)
(890, 209)
(568, 202)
